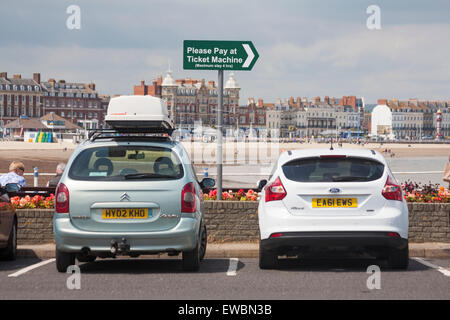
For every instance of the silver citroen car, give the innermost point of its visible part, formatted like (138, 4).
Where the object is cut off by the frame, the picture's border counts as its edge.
(125, 193)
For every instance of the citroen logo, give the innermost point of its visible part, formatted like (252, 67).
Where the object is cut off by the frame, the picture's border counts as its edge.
(334, 190)
(124, 197)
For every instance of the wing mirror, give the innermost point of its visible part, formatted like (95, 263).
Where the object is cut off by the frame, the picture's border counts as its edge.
(207, 183)
(261, 184)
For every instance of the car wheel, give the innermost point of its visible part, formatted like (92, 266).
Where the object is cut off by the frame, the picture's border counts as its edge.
(11, 249)
(267, 259)
(398, 258)
(64, 260)
(203, 243)
(191, 259)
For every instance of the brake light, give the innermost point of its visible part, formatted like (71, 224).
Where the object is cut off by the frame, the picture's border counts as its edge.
(393, 234)
(188, 202)
(276, 235)
(62, 199)
(275, 191)
(392, 191)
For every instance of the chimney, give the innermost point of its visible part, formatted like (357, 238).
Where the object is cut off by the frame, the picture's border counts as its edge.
(382, 101)
(17, 76)
(211, 83)
(92, 86)
(62, 81)
(52, 82)
(37, 78)
(4, 75)
(327, 99)
(142, 83)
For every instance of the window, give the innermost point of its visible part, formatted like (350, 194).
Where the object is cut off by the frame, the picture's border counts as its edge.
(118, 163)
(333, 169)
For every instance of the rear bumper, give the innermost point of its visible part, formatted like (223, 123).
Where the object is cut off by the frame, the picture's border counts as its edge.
(299, 240)
(182, 237)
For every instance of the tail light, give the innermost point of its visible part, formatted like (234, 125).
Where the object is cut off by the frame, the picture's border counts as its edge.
(188, 202)
(392, 191)
(275, 191)
(62, 199)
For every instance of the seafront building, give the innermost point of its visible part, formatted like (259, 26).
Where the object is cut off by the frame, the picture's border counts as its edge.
(77, 102)
(191, 101)
(304, 118)
(410, 120)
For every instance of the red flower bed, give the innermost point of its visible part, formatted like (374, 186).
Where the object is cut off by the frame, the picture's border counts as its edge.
(229, 195)
(429, 193)
(33, 202)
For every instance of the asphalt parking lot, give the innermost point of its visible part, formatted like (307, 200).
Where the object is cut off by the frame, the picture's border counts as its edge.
(224, 279)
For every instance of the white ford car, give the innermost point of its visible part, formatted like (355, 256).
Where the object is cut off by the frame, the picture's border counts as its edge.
(332, 199)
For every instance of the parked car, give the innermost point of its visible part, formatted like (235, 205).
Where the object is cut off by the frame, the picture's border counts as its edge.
(8, 223)
(332, 199)
(130, 191)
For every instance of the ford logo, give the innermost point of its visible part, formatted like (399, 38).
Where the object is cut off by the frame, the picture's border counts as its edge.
(335, 190)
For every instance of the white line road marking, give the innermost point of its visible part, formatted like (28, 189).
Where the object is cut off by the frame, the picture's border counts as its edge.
(433, 266)
(232, 269)
(29, 268)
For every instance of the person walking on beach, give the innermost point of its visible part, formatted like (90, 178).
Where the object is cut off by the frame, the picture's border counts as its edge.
(15, 175)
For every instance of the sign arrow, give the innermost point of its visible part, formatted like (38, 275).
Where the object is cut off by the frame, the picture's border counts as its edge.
(250, 56)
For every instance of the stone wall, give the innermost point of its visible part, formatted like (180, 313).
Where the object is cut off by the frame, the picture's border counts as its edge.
(35, 226)
(238, 221)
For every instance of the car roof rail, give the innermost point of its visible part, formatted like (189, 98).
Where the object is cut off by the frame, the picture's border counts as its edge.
(135, 133)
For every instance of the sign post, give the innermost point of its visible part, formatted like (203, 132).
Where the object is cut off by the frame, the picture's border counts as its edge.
(219, 55)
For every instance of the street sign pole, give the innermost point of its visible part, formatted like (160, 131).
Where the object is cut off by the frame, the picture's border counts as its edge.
(219, 135)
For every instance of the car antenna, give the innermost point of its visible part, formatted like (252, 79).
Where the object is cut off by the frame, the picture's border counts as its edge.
(331, 148)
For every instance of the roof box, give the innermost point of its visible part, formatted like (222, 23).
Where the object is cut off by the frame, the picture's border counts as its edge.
(144, 112)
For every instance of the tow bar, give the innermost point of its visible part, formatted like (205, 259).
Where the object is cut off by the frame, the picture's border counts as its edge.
(119, 248)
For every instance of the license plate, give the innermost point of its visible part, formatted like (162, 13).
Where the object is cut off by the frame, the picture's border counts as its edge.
(128, 213)
(334, 203)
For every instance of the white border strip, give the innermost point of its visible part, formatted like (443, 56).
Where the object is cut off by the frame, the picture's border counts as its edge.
(232, 269)
(444, 271)
(29, 268)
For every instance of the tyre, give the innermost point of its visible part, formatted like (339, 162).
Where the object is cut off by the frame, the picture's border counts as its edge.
(203, 243)
(10, 252)
(191, 259)
(398, 258)
(267, 259)
(64, 260)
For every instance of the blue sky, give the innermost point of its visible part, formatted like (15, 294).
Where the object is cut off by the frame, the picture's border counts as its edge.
(306, 48)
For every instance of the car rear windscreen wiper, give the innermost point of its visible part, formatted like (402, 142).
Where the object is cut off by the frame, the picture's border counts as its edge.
(148, 176)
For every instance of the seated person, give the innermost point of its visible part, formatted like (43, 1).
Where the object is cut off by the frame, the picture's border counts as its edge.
(53, 182)
(15, 175)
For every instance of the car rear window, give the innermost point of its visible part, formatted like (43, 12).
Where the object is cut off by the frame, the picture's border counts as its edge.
(126, 163)
(333, 169)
